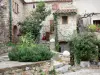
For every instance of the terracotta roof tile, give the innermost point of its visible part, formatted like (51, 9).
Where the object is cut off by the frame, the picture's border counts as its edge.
(66, 11)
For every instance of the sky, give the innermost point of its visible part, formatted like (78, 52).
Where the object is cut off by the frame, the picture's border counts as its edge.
(27, 0)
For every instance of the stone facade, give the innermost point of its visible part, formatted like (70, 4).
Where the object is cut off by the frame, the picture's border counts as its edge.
(63, 29)
(4, 18)
(21, 10)
(3, 22)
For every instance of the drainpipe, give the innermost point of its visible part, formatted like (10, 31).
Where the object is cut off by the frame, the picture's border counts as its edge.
(10, 20)
(56, 32)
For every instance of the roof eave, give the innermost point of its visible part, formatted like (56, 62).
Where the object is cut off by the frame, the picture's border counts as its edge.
(49, 1)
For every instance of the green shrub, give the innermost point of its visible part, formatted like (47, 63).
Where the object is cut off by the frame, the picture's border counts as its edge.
(10, 44)
(83, 47)
(27, 51)
(92, 27)
(13, 55)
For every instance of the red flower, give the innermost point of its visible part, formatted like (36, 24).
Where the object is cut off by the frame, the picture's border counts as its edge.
(44, 37)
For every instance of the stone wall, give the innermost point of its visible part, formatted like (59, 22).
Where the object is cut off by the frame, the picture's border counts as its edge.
(4, 48)
(3, 27)
(29, 69)
(4, 18)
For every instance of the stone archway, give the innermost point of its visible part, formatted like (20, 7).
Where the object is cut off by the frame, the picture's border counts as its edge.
(14, 35)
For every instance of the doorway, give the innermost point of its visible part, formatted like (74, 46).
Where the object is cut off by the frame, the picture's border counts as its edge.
(15, 37)
(63, 46)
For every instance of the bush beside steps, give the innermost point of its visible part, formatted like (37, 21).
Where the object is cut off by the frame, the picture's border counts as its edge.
(27, 54)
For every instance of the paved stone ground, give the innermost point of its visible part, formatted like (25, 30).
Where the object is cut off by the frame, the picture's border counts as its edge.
(4, 62)
(84, 72)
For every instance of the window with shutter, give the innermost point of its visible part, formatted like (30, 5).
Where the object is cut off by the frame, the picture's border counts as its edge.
(15, 7)
(47, 36)
(97, 22)
(51, 26)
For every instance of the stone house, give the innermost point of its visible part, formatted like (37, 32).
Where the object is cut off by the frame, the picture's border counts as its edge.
(17, 16)
(91, 8)
(88, 7)
(67, 20)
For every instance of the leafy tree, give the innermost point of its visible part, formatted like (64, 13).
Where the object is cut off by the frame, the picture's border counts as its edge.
(32, 24)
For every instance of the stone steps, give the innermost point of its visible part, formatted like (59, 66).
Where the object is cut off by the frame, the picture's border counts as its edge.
(60, 64)
(4, 57)
(63, 69)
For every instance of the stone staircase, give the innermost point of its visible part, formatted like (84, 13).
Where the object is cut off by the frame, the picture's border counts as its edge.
(62, 68)
(4, 57)
(61, 64)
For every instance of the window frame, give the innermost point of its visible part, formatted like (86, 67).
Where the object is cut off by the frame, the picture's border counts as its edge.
(96, 22)
(34, 6)
(15, 8)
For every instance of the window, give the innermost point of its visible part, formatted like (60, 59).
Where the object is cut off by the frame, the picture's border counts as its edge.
(64, 19)
(55, 6)
(97, 22)
(51, 26)
(15, 8)
(47, 36)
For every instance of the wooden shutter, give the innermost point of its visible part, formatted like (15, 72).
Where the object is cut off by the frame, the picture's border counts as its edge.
(47, 36)
(51, 26)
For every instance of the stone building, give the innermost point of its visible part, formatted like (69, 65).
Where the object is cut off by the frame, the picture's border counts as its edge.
(3, 26)
(86, 7)
(17, 16)
(67, 19)
(20, 9)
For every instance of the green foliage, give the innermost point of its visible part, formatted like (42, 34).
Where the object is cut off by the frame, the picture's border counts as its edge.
(92, 27)
(27, 51)
(84, 47)
(52, 72)
(32, 24)
(57, 47)
(10, 44)
(98, 44)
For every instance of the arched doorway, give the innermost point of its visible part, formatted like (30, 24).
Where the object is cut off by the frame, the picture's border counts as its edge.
(15, 31)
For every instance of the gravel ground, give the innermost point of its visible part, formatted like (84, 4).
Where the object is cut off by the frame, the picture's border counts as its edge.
(85, 72)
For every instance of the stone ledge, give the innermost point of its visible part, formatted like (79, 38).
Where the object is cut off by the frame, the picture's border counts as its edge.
(23, 66)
